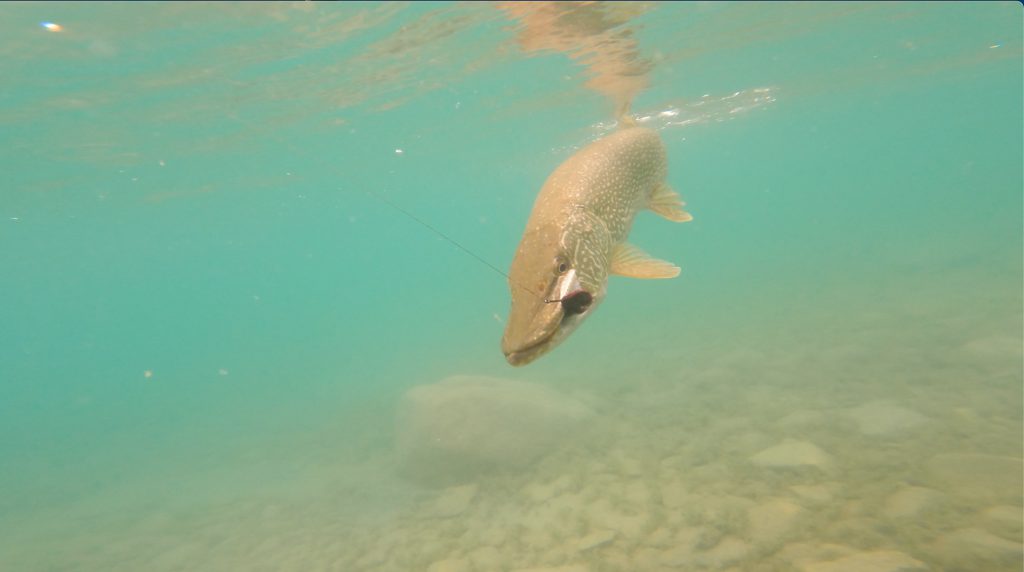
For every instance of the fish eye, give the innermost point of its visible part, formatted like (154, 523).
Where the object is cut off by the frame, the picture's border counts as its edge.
(561, 265)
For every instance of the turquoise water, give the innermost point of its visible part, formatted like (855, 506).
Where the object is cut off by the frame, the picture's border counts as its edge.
(209, 321)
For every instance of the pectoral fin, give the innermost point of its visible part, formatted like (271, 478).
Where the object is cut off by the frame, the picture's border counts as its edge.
(667, 203)
(630, 261)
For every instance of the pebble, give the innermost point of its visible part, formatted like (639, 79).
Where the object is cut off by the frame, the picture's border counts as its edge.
(813, 494)
(910, 502)
(995, 346)
(729, 551)
(629, 466)
(685, 545)
(596, 539)
(792, 453)
(975, 476)
(772, 520)
(486, 558)
(537, 492)
(661, 537)
(602, 514)
(800, 553)
(976, 546)
(454, 501)
(880, 419)
(674, 495)
(570, 568)
(800, 419)
(1005, 515)
(876, 561)
(450, 565)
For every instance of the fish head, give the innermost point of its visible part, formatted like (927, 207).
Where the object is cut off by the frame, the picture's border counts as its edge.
(558, 277)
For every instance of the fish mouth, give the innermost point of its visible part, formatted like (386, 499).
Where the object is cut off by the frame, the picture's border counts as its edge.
(531, 351)
(571, 306)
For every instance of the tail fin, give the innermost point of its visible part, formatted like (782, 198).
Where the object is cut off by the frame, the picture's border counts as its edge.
(623, 116)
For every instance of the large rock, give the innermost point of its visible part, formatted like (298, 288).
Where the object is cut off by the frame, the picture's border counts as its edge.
(458, 428)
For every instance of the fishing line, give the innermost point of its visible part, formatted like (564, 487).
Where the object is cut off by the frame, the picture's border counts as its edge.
(451, 240)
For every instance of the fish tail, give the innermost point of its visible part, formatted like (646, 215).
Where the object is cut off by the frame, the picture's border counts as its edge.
(623, 116)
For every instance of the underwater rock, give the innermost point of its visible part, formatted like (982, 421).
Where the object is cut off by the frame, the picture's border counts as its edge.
(996, 346)
(974, 547)
(791, 454)
(880, 418)
(456, 429)
(453, 501)
(814, 494)
(596, 540)
(450, 565)
(686, 546)
(910, 502)
(373, 559)
(601, 514)
(674, 494)
(537, 492)
(799, 554)
(626, 465)
(876, 561)
(570, 568)
(1009, 519)
(661, 537)
(802, 418)
(772, 520)
(729, 551)
(976, 476)
(486, 558)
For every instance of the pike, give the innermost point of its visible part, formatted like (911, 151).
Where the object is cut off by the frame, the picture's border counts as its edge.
(576, 236)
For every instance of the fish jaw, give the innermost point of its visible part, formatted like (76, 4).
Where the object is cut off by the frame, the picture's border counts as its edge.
(548, 320)
(566, 325)
(533, 324)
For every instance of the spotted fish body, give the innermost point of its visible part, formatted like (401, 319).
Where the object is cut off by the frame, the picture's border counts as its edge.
(576, 236)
